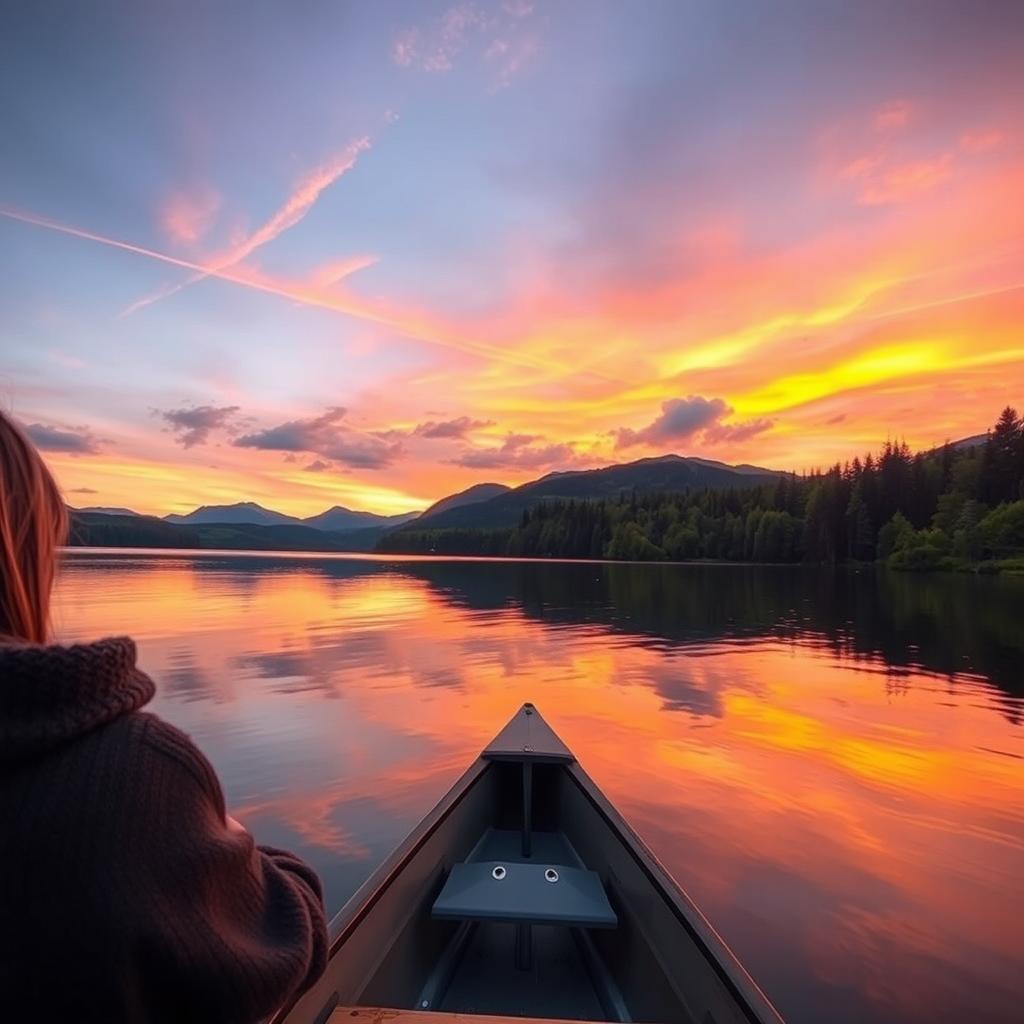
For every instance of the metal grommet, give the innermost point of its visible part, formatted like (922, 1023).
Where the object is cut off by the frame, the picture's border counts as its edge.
(551, 875)
(498, 873)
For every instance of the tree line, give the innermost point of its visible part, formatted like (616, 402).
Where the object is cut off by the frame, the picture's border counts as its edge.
(945, 508)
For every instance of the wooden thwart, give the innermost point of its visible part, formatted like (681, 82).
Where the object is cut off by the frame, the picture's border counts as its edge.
(382, 1015)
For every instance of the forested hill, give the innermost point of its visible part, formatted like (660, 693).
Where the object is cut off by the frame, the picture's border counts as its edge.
(667, 473)
(948, 507)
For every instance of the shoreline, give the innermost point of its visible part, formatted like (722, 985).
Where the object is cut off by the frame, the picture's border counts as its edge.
(998, 567)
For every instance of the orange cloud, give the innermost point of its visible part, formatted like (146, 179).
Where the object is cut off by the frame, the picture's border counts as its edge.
(906, 181)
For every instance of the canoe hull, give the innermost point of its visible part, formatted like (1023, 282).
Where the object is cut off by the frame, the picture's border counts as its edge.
(664, 961)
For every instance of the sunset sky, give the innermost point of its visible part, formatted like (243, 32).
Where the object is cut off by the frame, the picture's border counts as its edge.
(371, 253)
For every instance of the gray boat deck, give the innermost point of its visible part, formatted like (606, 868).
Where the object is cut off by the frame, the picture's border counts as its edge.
(506, 844)
(556, 985)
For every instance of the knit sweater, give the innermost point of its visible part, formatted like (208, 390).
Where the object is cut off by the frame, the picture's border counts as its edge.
(124, 896)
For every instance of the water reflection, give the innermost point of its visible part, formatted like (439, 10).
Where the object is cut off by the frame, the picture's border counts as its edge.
(830, 763)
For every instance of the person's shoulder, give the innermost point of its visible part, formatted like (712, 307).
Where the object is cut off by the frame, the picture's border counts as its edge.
(170, 744)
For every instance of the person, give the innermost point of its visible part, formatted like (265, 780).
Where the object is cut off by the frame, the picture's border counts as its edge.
(126, 892)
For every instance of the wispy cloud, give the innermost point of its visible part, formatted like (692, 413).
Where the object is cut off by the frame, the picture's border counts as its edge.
(881, 179)
(894, 114)
(899, 182)
(982, 140)
(193, 425)
(456, 428)
(501, 38)
(723, 433)
(294, 209)
(338, 270)
(186, 216)
(436, 48)
(891, 159)
(520, 451)
(510, 54)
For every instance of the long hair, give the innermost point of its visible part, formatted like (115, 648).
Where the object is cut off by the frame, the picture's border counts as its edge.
(33, 525)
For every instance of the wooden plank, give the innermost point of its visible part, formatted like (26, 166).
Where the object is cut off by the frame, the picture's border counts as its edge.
(382, 1015)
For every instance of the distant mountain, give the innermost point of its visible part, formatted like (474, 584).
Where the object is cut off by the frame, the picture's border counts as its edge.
(95, 529)
(248, 513)
(242, 512)
(667, 473)
(470, 496)
(341, 518)
(102, 510)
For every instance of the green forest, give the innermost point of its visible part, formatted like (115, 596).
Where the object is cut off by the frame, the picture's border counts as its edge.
(949, 508)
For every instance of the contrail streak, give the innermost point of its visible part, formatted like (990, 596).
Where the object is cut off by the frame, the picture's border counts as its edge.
(295, 208)
(295, 293)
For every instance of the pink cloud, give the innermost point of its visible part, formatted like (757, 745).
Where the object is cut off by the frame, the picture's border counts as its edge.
(498, 37)
(510, 55)
(403, 53)
(436, 49)
(186, 216)
(894, 114)
(861, 167)
(982, 141)
(907, 180)
(518, 451)
(721, 433)
(332, 273)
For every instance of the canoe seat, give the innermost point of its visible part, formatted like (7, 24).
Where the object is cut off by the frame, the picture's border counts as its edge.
(525, 894)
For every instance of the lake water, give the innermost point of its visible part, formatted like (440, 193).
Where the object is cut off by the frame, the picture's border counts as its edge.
(831, 764)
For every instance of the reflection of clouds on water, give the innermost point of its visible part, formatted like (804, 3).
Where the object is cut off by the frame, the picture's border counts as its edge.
(184, 677)
(276, 664)
(682, 693)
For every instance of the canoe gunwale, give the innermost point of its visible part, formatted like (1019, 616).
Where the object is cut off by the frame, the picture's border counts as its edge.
(362, 901)
(755, 1004)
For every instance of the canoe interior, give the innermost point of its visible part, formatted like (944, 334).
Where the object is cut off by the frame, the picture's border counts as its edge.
(661, 963)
